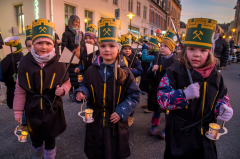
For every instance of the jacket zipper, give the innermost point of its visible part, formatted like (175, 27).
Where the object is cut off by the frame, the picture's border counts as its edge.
(41, 88)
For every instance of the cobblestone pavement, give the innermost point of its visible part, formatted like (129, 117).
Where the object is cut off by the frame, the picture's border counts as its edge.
(70, 144)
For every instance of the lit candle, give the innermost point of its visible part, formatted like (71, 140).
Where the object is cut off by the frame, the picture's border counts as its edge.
(214, 126)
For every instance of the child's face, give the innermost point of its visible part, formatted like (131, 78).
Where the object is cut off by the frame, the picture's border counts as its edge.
(178, 50)
(108, 51)
(150, 46)
(29, 45)
(89, 40)
(127, 50)
(197, 56)
(43, 48)
(165, 51)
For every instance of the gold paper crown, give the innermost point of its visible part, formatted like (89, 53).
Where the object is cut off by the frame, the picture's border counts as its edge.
(205, 23)
(44, 21)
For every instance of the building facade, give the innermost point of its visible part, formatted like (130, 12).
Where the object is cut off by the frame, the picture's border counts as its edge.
(21, 13)
(157, 16)
(173, 8)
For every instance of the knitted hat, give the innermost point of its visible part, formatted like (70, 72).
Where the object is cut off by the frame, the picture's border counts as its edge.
(43, 28)
(170, 39)
(200, 32)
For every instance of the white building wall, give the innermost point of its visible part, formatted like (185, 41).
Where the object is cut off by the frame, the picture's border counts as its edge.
(100, 8)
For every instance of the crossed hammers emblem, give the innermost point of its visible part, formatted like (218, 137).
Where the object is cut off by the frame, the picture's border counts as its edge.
(43, 29)
(91, 29)
(197, 35)
(106, 31)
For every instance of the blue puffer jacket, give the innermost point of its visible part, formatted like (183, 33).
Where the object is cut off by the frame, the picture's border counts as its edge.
(132, 97)
(147, 58)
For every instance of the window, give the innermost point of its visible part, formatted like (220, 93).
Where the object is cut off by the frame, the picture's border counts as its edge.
(156, 18)
(138, 8)
(164, 5)
(144, 31)
(130, 5)
(159, 20)
(20, 18)
(69, 10)
(115, 2)
(152, 14)
(151, 32)
(89, 17)
(145, 12)
(134, 30)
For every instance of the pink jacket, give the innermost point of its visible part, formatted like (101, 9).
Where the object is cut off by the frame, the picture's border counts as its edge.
(20, 96)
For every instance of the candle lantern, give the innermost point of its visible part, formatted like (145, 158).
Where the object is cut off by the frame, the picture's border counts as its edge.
(88, 118)
(80, 78)
(21, 135)
(137, 80)
(213, 132)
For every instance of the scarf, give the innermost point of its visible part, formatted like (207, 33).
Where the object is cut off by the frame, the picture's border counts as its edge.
(215, 38)
(78, 35)
(44, 58)
(205, 72)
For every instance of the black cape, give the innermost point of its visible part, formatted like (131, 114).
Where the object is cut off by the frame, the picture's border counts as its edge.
(99, 141)
(188, 143)
(40, 85)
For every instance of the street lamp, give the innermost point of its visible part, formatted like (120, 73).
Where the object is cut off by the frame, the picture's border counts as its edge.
(230, 37)
(85, 20)
(183, 35)
(130, 17)
(233, 31)
(224, 36)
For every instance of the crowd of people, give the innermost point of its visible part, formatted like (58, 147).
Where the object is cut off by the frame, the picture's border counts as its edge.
(190, 102)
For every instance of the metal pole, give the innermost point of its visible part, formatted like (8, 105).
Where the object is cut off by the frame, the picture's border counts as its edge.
(130, 25)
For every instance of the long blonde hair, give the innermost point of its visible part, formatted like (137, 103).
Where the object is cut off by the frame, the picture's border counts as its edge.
(220, 31)
(184, 62)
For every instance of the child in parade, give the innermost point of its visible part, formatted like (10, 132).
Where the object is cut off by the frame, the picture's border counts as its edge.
(107, 136)
(193, 106)
(39, 76)
(148, 54)
(85, 59)
(9, 67)
(28, 38)
(159, 65)
(72, 39)
(131, 62)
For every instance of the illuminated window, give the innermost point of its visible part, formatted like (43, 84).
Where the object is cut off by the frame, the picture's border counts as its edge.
(69, 10)
(20, 19)
(88, 17)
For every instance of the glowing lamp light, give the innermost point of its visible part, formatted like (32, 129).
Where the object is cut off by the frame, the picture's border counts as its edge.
(224, 36)
(23, 137)
(233, 30)
(183, 35)
(230, 37)
(130, 16)
(85, 20)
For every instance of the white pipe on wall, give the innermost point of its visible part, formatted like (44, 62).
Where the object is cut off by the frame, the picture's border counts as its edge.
(51, 10)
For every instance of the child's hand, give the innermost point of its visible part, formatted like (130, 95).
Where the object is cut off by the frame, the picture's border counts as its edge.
(77, 70)
(192, 91)
(225, 113)
(155, 68)
(115, 117)
(59, 91)
(80, 96)
(19, 120)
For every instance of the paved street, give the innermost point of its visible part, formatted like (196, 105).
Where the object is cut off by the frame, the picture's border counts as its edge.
(70, 144)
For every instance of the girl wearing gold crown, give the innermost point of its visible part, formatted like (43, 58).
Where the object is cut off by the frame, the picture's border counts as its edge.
(193, 106)
(107, 136)
(38, 81)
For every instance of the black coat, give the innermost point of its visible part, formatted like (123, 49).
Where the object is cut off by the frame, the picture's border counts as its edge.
(56, 45)
(221, 51)
(40, 85)
(1, 41)
(68, 40)
(190, 142)
(7, 73)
